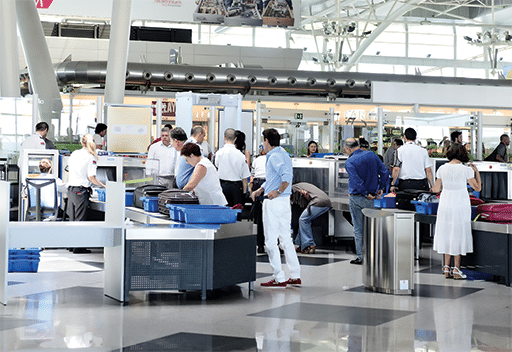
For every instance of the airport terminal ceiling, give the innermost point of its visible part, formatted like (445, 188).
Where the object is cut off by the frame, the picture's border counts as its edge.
(461, 38)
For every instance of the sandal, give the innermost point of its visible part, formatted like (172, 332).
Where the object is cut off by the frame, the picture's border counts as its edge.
(458, 274)
(309, 250)
(447, 272)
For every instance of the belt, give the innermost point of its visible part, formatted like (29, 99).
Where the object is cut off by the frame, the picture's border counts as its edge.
(235, 182)
(258, 179)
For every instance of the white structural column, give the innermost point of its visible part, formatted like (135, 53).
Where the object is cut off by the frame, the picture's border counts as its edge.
(158, 118)
(37, 55)
(380, 130)
(9, 75)
(99, 109)
(480, 134)
(331, 130)
(118, 52)
(257, 134)
(211, 128)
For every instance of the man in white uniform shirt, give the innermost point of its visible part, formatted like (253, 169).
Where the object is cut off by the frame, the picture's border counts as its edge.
(37, 140)
(166, 154)
(413, 169)
(233, 169)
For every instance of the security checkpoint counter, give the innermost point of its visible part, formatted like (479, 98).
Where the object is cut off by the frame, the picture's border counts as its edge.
(162, 254)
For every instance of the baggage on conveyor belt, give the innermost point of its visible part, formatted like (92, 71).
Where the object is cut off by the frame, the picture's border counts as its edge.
(495, 212)
(404, 198)
(146, 191)
(175, 196)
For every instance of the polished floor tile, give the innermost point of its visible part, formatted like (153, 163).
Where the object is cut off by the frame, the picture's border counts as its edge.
(334, 314)
(63, 307)
(304, 260)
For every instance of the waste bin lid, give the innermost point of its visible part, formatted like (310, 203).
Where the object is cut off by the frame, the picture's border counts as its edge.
(381, 213)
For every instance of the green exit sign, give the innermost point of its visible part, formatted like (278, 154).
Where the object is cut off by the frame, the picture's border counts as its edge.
(299, 116)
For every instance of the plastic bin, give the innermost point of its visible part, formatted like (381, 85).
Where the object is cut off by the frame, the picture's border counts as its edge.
(150, 204)
(385, 202)
(23, 265)
(102, 194)
(204, 214)
(429, 208)
(128, 199)
(177, 212)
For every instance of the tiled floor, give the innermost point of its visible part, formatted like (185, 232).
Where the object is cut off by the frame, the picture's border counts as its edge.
(63, 307)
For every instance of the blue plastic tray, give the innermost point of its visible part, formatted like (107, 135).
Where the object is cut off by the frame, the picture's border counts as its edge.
(202, 214)
(150, 204)
(128, 199)
(23, 265)
(385, 202)
(429, 208)
(102, 194)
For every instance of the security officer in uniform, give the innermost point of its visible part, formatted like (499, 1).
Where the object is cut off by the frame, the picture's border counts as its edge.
(37, 140)
(82, 174)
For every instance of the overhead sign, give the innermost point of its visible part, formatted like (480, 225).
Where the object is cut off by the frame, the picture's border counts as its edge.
(247, 13)
(43, 4)
(299, 116)
(168, 108)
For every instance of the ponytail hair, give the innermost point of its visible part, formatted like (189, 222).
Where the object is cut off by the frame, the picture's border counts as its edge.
(88, 143)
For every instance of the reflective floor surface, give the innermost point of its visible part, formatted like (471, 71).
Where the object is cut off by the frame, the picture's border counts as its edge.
(62, 307)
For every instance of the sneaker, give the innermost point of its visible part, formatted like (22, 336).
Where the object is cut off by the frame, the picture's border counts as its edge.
(356, 261)
(294, 281)
(274, 283)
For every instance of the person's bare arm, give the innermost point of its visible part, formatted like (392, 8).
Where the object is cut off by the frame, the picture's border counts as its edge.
(95, 181)
(430, 177)
(198, 174)
(438, 186)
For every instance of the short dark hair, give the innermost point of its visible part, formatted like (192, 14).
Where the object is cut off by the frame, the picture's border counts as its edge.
(100, 128)
(503, 136)
(363, 143)
(229, 134)
(42, 126)
(196, 130)
(454, 135)
(351, 143)
(410, 134)
(398, 141)
(459, 152)
(191, 149)
(179, 134)
(272, 136)
(169, 126)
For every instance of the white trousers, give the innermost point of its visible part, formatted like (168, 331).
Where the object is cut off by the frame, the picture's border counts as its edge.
(277, 216)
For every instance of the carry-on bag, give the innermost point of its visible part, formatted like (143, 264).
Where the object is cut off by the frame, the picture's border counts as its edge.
(175, 196)
(146, 191)
(495, 212)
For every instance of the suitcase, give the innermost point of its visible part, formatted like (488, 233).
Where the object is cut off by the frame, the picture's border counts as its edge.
(146, 191)
(497, 212)
(175, 196)
(404, 198)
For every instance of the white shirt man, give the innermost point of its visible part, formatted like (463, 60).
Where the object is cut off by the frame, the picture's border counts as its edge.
(37, 140)
(233, 169)
(413, 169)
(166, 154)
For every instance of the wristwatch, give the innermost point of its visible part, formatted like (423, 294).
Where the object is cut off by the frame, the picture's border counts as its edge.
(279, 192)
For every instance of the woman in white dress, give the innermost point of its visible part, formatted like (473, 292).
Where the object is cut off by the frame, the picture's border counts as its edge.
(453, 225)
(204, 180)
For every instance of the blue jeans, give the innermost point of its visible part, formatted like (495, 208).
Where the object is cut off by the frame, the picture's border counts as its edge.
(357, 204)
(304, 237)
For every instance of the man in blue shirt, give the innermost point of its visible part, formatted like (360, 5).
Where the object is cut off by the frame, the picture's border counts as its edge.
(277, 210)
(367, 179)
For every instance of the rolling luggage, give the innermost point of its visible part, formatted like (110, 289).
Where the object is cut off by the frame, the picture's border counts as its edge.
(497, 212)
(175, 196)
(146, 191)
